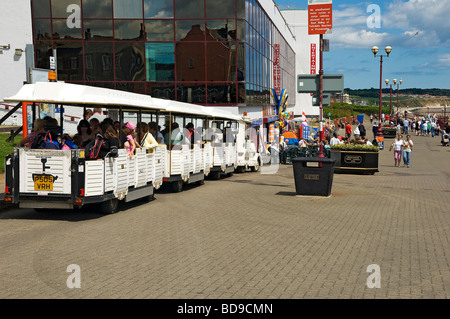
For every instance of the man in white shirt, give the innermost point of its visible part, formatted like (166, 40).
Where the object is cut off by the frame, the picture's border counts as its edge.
(406, 126)
(334, 140)
(98, 114)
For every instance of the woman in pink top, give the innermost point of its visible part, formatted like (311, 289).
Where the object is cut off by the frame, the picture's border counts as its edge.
(397, 145)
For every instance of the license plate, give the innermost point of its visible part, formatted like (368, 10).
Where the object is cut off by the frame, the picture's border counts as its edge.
(43, 182)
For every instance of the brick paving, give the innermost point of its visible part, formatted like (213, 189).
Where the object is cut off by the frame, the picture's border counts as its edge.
(247, 236)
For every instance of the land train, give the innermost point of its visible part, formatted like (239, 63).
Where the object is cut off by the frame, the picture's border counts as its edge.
(67, 179)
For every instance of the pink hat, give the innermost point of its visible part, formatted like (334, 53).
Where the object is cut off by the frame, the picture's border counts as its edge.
(130, 125)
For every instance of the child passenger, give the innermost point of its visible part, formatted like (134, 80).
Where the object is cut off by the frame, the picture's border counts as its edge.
(131, 143)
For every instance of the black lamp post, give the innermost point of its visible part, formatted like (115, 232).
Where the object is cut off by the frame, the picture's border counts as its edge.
(390, 105)
(388, 51)
(398, 86)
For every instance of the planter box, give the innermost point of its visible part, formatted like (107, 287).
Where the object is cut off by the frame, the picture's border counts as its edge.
(355, 162)
(389, 132)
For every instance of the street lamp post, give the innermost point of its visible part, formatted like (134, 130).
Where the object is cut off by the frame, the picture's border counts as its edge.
(390, 105)
(388, 51)
(398, 86)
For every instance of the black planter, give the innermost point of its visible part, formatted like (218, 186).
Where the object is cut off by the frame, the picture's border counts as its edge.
(355, 162)
(313, 176)
(389, 132)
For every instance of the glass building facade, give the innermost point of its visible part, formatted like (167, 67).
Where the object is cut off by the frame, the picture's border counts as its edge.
(199, 51)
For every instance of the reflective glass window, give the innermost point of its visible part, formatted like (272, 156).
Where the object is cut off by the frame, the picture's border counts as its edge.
(97, 9)
(192, 9)
(240, 9)
(42, 29)
(128, 9)
(60, 8)
(134, 87)
(241, 62)
(98, 30)
(220, 61)
(43, 52)
(190, 61)
(99, 61)
(69, 61)
(240, 30)
(222, 30)
(161, 90)
(191, 93)
(158, 9)
(221, 93)
(247, 63)
(190, 30)
(41, 8)
(220, 9)
(62, 32)
(159, 30)
(241, 93)
(160, 61)
(106, 85)
(130, 61)
(128, 30)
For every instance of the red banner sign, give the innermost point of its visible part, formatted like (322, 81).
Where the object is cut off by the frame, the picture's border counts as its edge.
(320, 17)
(313, 58)
(276, 69)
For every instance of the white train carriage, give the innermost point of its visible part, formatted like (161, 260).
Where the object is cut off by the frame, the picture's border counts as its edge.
(65, 179)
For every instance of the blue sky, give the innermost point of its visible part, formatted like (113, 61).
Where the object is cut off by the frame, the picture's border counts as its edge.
(417, 30)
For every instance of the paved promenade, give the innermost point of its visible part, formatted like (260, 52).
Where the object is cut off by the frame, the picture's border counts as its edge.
(247, 236)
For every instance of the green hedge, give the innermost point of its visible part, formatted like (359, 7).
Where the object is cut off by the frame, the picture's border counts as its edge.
(339, 110)
(6, 148)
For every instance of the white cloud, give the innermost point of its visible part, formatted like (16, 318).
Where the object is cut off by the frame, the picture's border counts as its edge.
(429, 16)
(410, 24)
(444, 60)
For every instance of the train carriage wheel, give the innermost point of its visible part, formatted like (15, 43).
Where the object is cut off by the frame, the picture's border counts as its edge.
(177, 186)
(110, 206)
(256, 167)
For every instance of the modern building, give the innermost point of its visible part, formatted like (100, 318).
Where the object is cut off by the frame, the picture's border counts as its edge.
(227, 53)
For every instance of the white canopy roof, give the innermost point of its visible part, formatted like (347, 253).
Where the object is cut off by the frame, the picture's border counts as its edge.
(80, 95)
(76, 94)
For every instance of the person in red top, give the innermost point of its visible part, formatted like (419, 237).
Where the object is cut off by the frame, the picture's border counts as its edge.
(348, 130)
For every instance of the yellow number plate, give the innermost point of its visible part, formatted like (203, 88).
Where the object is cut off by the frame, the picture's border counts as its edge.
(43, 182)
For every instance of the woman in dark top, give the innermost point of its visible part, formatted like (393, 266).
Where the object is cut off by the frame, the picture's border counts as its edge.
(111, 140)
(84, 133)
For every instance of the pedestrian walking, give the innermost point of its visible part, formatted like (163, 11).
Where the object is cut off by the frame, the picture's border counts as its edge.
(362, 130)
(397, 146)
(406, 126)
(375, 130)
(371, 118)
(408, 146)
(348, 130)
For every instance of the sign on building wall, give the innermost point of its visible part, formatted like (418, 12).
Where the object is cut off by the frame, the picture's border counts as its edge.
(313, 58)
(276, 69)
(320, 16)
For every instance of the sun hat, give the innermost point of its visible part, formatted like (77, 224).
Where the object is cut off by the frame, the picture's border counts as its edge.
(129, 125)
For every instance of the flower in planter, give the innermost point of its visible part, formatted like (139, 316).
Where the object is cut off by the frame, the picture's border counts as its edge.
(355, 147)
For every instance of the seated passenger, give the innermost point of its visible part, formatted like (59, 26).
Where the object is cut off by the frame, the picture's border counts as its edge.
(147, 139)
(38, 127)
(84, 133)
(176, 137)
(131, 143)
(105, 142)
(95, 126)
(154, 130)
